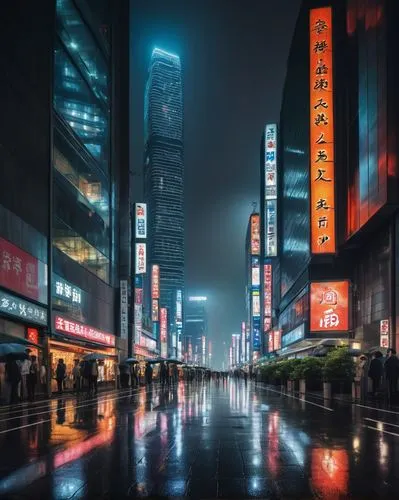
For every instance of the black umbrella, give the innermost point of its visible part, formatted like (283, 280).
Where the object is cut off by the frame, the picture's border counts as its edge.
(14, 351)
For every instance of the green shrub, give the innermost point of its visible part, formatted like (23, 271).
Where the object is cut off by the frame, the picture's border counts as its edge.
(309, 368)
(286, 369)
(338, 365)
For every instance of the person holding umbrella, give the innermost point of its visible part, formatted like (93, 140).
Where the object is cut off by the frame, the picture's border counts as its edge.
(148, 374)
(13, 377)
(376, 370)
(391, 368)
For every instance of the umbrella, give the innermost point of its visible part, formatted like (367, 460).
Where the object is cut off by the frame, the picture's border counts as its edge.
(174, 361)
(94, 356)
(154, 360)
(16, 351)
(132, 361)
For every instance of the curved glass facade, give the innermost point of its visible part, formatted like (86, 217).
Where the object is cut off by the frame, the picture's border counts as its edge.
(164, 173)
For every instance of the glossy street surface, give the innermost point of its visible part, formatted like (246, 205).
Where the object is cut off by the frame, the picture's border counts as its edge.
(202, 441)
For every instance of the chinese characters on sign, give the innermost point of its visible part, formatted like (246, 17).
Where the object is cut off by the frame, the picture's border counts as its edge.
(267, 299)
(164, 331)
(384, 333)
(67, 292)
(155, 281)
(84, 332)
(141, 258)
(255, 235)
(32, 335)
(271, 190)
(141, 220)
(322, 163)
(329, 306)
(22, 309)
(138, 314)
(123, 309)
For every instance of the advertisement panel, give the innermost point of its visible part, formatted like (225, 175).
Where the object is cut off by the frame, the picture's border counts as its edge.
(329, 306)
(255, 303)
(270, 342)
(255, 234)
(322, 142)
(155, 281)
(141, 220)
(83, 332)
(276, 340)
(271, 190)
(179, 306)
(267, 297)
(243, 341)
(67, 292)
(22, 273)
(22, 309)
(255, 272)
(256, 334)
(164, 331)
(138, 314)
(141, 258)
(123, 309)
(155, 310)
(384, 333)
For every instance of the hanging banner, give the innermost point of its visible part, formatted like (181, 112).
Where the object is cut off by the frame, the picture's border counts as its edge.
(271, 190)
(123, 309)
(141, 258)
(384, 333)
(155, 281)
(267, 297)
(164, 331)
(322, 142)
(141, 220)
(255, 234)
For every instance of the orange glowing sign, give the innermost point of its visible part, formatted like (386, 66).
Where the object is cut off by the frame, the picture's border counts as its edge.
(329, 306)
(255, 234)
(330, 472)
(322, 163)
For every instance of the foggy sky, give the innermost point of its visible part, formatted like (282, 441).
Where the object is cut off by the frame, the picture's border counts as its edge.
(233, 55)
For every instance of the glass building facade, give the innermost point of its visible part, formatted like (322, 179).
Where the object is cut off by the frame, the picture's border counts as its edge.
(164, 172)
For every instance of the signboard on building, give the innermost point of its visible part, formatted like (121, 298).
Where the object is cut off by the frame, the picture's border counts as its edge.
(255, 234)
(255, 303)
(141, 258)
(155, 281)
(141, 220)
(322, 142)
(256, 334)
(267, 297)
(32, 335)
(294, 335)
(22, 309)
(329, 306)
(255, 272)
(164, 331)
(66, 291)
(384, 333)
(22, 273)
(243, 342)
(123, 309)
(83, 332)
(155, 310)
(179, 306)
(271, 190)
(138, 314)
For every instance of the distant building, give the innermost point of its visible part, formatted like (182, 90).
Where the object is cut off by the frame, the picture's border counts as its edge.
(196, 331)
(164, 176)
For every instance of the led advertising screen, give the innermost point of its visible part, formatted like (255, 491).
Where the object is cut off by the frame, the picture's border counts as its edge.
(322, 142)
(155, 281)
(141, 220)
(267, 297)
(256, 334)
(271, 190)
(255, 234)
(329, 306)
(164, 331)
(141, 258)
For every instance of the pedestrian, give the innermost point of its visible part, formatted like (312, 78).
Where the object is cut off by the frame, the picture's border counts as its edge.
(175, 374)
(148, 374)
(76, 376)
(13, 377)
(93, 377)
(25, 369)
(60, 374)
(376, 371)
(391, 369)
(136, 374)
(32, 378)
(43, 375)
(163, 373)
(246, 377)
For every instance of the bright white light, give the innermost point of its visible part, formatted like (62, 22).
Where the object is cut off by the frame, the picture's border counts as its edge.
(163, 52)
(197, 299)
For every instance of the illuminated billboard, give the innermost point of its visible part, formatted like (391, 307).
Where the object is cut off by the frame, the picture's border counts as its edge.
(271, 190)
(141, 258)
(155, 310)
(155, 281)
(256, 334)
(255, 303)
(255, 234)
(179, 306)
(329, 306)
(243, 341)
(164, 331)
(255, 272)
(322, 142)
(141, 220)
(267, 297)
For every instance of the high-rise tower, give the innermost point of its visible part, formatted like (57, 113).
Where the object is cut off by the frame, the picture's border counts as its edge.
(164, 173)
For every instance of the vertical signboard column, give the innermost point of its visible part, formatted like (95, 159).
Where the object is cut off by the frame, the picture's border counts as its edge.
(140, 266)
(322, 166)
(164, 331)
(271, 190)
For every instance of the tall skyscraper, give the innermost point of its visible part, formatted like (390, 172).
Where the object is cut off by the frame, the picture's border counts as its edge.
(164, 174)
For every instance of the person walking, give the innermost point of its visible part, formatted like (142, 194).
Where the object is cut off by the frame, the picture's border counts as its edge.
(94, 377)
(148, 374)
(25, 369)
(60, 374)
(163, 374)
(32, 378)
(376, 371)
(13, 377)
(76, 376)
(391, 368)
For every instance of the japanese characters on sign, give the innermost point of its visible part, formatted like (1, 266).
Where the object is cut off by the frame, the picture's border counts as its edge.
(155, 281)
(322, 163)
(255, 234)
(164, 331)
(22, 309)
(255, 272)
(271, 190)
(84, 332)
(123, 309)
(329, 306)
(141, 220)
(267, 297)
(141, 258)
(66, 291)
(384, 333)
(21, 272)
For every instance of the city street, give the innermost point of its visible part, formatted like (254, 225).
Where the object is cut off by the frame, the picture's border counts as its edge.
(202, 441)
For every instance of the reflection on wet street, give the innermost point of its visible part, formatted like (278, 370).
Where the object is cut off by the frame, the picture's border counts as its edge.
(208, 440)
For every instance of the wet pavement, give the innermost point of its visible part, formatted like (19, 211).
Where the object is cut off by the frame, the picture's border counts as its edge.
(199, 441)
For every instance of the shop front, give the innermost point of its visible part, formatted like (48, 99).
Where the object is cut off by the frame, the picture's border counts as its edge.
(73, 341)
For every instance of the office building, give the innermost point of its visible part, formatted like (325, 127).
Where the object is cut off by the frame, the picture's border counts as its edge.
(195, 340)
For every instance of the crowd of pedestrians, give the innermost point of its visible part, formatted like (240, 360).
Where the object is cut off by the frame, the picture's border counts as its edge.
(22, 377)
(383, 374)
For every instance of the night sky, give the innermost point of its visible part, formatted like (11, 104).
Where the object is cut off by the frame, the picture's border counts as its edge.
(233, 55)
